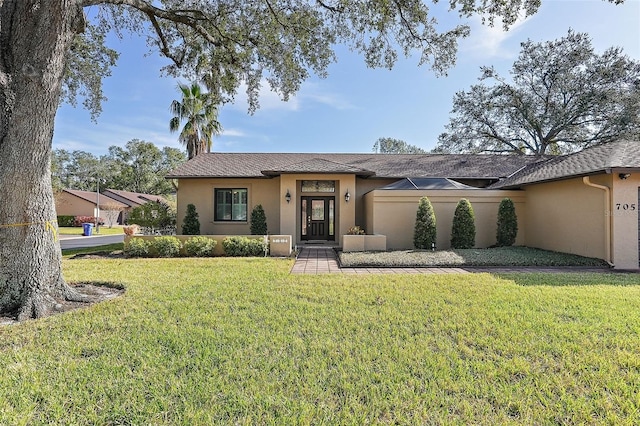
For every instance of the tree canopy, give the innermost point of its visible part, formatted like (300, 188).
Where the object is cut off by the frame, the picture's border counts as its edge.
(396, 146)
(230, 43)
(139, 166)
(562, 97)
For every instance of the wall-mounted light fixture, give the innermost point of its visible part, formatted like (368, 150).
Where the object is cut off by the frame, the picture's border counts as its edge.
(624, 176)
(347, 196)
(288, 197)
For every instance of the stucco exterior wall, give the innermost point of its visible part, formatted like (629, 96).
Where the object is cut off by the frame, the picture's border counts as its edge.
(364, 186)
(282, 217)
(625, 215)
(393, 213)
(70, 205)
(568, 216)
(200, 193)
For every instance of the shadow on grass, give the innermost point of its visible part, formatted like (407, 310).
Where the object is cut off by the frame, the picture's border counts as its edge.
(104, 250)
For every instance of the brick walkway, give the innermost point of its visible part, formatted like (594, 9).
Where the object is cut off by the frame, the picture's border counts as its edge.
(322, 260)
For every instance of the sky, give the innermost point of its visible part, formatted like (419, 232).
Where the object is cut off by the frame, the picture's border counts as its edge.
(351, 108)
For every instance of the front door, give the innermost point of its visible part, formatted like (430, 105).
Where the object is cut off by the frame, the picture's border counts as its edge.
(317, 218)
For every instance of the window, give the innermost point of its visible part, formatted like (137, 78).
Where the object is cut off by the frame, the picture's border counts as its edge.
(231, 204)
(318, 186)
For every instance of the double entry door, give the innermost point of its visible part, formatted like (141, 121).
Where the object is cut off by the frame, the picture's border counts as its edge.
(317, 218)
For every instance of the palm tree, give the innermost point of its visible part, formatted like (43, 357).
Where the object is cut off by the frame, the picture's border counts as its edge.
(199, 110)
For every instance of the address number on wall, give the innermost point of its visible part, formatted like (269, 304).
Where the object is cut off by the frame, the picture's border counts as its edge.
(624, 206)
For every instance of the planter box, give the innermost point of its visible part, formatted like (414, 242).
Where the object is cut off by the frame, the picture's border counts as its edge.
(364, 243)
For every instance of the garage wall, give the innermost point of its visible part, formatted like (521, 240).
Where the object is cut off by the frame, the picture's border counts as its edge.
(625, 216)
(70, 205)
(568, 216)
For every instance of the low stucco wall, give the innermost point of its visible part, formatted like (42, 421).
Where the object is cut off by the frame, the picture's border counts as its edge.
(393, 213)
(363, 243)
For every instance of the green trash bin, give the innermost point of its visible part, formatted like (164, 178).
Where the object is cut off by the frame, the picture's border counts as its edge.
(87, 229)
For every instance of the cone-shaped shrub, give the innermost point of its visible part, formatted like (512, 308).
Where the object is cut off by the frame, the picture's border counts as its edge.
(424, 234)
(258, 221)
(463, 231)
(507, 228)
(191, 224)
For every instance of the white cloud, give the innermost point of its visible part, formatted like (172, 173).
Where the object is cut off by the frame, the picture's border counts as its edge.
(316, 93)
(238, 133)
(487, 41)
(98, 138)
(269, 100)
(309, 93)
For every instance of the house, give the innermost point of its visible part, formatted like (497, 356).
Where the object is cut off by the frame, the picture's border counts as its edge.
(132, 200)
(584, 203)
(70, 202)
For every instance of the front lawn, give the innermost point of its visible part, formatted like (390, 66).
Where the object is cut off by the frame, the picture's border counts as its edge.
(242, 341)
(499, 256)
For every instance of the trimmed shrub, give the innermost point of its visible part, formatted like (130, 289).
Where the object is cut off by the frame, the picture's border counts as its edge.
(79, 220)
(244, 247)
(66, 221)
(191, 224)
(463, 231)
(200, 246)
(424, 233)
(258, 221)
(356, 230)
(153, 214)
(166, 246)
(137, 247)
(507, 226)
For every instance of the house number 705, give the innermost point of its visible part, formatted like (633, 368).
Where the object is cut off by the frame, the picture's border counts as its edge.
(620, 206)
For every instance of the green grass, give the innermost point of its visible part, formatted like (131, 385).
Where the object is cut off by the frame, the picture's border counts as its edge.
(500, 256)
(104, 230)
(242, 341)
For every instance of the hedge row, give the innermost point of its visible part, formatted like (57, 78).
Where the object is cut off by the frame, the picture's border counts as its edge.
(194, 247)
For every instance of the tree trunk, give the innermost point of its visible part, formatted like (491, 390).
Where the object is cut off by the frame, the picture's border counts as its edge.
(35, 37)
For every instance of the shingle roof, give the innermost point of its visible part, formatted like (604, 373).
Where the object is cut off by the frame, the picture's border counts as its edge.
(619, 155)
(134, 199)
(399, 166)
(92, 197)
(318, 165)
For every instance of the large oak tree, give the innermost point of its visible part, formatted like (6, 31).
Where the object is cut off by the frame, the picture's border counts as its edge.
(562, 97)
(48, 49)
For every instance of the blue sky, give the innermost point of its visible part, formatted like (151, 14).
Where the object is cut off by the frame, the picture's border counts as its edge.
(349, 110)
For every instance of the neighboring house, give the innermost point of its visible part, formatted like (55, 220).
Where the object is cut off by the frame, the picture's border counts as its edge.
(70, 202)
(584, 203)
(132, 200)
(85, 203)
